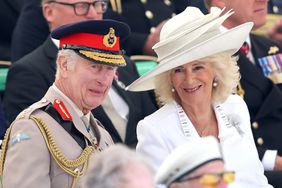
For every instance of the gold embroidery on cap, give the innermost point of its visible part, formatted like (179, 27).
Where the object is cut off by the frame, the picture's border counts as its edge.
(103, 57)
(110, 39)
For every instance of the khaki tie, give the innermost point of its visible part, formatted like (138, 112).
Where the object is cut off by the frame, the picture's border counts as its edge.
(92, 136)
(118, 122)
(86, 123)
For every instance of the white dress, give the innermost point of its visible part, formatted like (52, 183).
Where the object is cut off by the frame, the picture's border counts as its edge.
(161, 132)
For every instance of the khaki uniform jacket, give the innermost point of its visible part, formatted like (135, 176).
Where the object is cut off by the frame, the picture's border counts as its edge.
(28, 162)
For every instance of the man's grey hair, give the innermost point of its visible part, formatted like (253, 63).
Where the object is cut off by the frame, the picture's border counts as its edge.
(71, 58)
(108, 169)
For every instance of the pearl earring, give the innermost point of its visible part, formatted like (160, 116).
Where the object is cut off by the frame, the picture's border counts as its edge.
(214, 84)
(172, 90)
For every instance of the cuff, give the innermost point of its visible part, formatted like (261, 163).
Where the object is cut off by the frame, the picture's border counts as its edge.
(268, 159)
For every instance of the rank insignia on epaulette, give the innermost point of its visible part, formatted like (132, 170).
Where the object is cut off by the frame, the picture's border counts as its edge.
(19, 137)
(61, 108)
(273, 50)
(110, 39)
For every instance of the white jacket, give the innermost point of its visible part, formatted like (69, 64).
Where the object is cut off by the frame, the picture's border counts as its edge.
(161, 132)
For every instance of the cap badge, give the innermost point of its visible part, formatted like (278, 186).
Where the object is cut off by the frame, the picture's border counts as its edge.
(110, 39)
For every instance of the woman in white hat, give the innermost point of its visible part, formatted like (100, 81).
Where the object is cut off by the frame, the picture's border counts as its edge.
(195, 79)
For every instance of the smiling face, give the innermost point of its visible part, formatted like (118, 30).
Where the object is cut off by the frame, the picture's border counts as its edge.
(86, 83)
(193, 83)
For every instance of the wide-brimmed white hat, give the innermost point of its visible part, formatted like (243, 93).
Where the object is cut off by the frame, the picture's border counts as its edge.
(190, 36)
(188, 157)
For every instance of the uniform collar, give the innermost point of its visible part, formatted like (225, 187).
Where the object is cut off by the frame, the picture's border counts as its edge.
(74, 106)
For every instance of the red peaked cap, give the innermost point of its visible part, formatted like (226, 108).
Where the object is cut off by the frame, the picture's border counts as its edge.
(96, 40)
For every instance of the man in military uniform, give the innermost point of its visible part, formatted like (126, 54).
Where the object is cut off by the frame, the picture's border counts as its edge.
(37, 71)
(49, 143)
(260, 70)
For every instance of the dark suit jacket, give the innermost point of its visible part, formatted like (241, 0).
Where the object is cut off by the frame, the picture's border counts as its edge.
(9, 12)
(263, 98)
(133, 13)
(30, 77)
(30, 31)
(3, 123)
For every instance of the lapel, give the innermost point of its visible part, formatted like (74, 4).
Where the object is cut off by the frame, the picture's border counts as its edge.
(101, 115)
(247, 68)
(120, 91)
(127, 97)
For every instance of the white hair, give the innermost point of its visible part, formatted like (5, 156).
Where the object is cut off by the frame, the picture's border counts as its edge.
(108, 168)
(71, 58)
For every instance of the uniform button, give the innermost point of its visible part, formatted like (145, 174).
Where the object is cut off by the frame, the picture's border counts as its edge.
(260, 141)
(167, 2)
(153, 29)
(44, 100)
(275, 9)
(143, 1)
(149, 14)
(255, 125)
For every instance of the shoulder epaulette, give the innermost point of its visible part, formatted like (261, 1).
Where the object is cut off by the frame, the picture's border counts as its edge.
(25, 114)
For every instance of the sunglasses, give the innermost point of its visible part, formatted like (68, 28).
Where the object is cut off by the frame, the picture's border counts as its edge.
(213, 179)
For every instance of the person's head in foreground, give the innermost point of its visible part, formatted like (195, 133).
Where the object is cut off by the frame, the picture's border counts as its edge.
(119, 167)
(195, 59)
(196, 164)
(87, 60)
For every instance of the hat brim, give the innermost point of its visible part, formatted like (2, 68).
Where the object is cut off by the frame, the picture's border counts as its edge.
(214, 45)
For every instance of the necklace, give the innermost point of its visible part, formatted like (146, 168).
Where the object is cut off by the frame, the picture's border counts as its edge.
(187, 125)
(204, 131)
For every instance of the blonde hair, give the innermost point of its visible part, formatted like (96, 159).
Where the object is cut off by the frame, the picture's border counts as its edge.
(227, 77)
